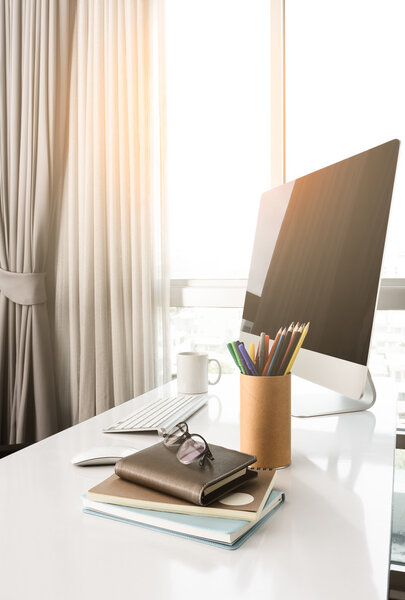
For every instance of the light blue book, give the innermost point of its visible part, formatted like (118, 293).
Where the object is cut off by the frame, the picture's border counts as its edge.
(222, 533)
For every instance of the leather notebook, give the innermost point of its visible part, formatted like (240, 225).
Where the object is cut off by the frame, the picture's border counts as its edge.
(157, 467)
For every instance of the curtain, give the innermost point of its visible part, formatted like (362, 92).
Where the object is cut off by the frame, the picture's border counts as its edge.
(108, 285)
(34, 67)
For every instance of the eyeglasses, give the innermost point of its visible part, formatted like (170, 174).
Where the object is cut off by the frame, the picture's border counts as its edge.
(191, 445)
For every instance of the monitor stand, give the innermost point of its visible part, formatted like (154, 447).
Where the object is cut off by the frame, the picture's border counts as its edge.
(313, 400)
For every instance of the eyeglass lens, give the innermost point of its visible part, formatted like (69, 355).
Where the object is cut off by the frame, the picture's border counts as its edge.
(191, 449)
(176, 435)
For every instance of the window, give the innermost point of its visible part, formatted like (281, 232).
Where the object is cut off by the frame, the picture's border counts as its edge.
(345, 92)
(218, 124)
(219, 159)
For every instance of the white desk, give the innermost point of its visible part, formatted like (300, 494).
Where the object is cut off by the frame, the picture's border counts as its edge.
(331, 539)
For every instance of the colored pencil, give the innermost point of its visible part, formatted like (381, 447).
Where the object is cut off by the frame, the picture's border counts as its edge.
(237, 356)
(290, 348)
(249, 363)
(300, 342)
(232, 353)
(257, 355)
(273, 348)
(242, 358)
(281, 357)
(266, 348)
(281, 352)
(277, 350)
(294, 345)
(262, 349)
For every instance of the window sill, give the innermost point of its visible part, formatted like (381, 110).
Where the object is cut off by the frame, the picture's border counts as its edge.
(224, 293)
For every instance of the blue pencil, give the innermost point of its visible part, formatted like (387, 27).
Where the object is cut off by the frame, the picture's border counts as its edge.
(277, 350)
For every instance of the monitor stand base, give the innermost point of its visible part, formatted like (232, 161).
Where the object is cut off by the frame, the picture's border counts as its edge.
(319, 401)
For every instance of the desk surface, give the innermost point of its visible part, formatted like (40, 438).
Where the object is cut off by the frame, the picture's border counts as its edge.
(331, 539)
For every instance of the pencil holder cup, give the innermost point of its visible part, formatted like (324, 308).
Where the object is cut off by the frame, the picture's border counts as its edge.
(265, 419)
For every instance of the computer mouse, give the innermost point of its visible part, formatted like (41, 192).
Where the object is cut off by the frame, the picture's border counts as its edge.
(105, 455)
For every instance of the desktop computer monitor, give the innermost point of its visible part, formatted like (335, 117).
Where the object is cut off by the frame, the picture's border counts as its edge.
(317, 257)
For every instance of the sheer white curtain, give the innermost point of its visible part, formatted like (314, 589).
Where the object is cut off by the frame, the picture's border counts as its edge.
(107, 283)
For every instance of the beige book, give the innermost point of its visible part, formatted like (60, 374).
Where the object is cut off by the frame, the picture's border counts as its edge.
(245, 503)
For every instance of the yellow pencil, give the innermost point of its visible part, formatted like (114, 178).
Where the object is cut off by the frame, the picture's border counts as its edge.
(294, 356)
(252, 352)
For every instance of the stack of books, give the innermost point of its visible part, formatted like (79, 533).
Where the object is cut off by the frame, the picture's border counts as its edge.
(226, 522)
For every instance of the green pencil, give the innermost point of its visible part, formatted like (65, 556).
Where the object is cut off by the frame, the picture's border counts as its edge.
(237, 358)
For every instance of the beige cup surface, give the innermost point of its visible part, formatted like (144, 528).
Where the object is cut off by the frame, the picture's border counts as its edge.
(265, 419)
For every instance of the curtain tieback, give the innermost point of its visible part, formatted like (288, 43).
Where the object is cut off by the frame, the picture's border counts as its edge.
(23, 288)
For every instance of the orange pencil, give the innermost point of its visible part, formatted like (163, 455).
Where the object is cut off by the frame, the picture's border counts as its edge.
(273, 348)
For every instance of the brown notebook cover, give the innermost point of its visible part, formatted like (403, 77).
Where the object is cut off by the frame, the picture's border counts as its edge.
(252, 498)
(157, 467)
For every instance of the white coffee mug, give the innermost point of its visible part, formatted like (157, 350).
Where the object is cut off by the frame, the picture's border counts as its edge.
(192, 372)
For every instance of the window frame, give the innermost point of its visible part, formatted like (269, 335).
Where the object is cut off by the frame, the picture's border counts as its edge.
(230, 293)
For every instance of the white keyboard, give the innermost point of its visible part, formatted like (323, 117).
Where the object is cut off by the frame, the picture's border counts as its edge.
(160, 415)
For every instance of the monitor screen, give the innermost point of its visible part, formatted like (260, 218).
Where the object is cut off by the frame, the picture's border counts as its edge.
(318, 251)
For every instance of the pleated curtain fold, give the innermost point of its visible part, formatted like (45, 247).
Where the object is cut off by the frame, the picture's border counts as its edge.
(34, 53)
(82, 202)
(110, 309)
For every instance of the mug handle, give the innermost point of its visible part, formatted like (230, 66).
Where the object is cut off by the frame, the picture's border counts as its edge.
(219, 371)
